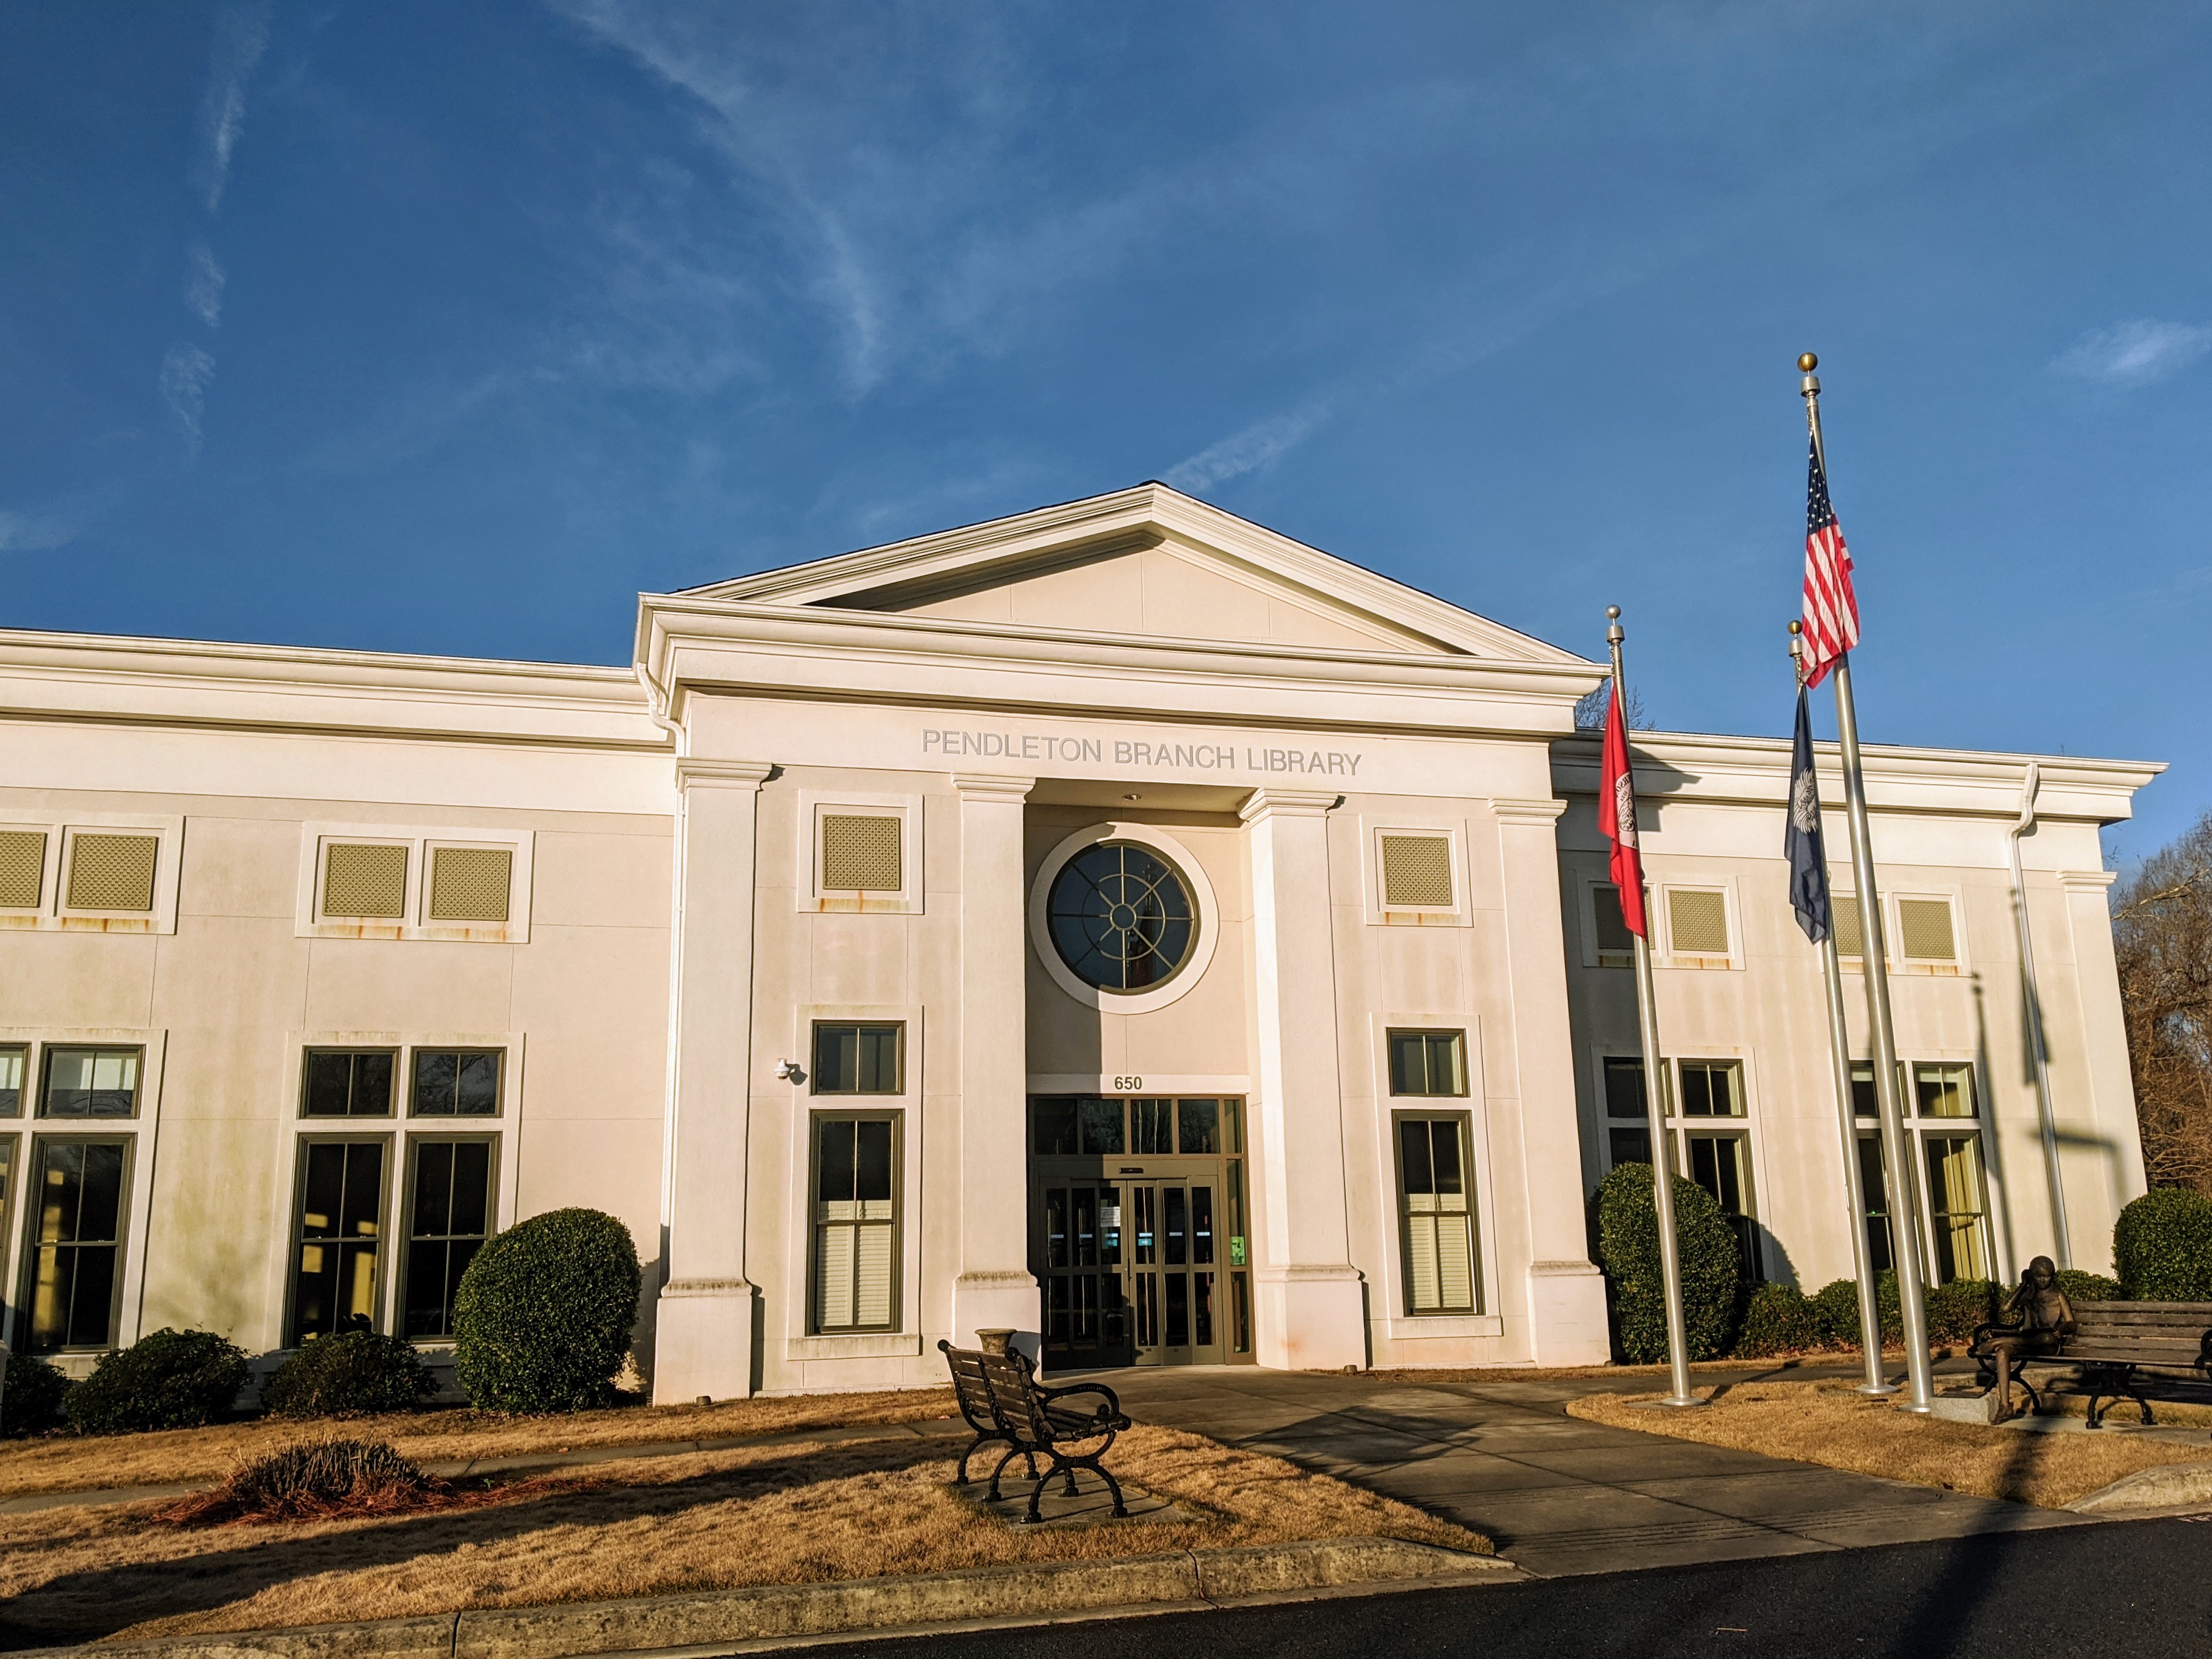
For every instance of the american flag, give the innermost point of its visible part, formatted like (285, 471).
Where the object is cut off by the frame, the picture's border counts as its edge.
(1831, 609)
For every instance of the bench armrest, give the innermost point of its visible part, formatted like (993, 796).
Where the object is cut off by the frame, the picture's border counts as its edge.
(1112, 1408)
(1983, 1333)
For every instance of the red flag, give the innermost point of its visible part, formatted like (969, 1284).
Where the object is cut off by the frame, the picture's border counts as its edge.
(1616, 816)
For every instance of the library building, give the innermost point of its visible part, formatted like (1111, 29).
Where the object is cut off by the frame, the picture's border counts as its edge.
(1119, 924)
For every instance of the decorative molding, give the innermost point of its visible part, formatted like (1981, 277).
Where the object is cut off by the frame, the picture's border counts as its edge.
(1528, 811)
(722, 773)
(991, 787)
(709, 1287)
(2087, 881)
(1264, 804)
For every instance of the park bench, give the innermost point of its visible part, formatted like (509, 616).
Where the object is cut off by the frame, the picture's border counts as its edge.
(1004, 1403)
(2121, 1349)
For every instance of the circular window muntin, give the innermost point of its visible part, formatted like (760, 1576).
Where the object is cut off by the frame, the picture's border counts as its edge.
(1200, 889)
(1115, 925)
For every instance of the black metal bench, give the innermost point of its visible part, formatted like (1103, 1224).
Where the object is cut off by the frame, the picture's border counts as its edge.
(2121, 1349)
(1004, 1403)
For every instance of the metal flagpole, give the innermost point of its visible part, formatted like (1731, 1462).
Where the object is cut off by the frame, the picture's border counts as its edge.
(1654, 1108)
(1840, 1057)
(1897, 1149)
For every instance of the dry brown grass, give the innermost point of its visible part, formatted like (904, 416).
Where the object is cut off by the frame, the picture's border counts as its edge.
(172, 1457)
(1825, 1423)
(757, 1515)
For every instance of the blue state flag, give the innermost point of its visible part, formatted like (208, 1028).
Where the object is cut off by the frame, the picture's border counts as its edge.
(1800, 842)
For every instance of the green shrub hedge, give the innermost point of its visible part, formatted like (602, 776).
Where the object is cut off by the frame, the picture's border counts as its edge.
(542, 1319)
(1628, 1247)
(346, 1374)
(31, 1402)
(1779, 1319)
(1955, 1309)
(2162, 1247)
(2079, 1286)
(169, 1380)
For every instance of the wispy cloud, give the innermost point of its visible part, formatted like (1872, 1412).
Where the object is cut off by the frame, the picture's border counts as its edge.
(204, 281)
(241, 35)
(2135, 353)
(32, 533)
(1257, 445)
(185, 372)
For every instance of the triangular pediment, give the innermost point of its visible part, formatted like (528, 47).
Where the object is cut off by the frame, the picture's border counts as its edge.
(1149, 561)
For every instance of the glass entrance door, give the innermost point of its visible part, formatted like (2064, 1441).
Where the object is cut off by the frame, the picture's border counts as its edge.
(1087, 1304)
(1171, 1274)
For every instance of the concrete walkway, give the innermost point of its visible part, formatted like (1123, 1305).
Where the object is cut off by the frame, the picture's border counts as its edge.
(1558, 1495)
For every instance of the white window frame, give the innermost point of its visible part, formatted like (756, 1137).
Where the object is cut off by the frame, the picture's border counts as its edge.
(1664, 891)
(52, 912)
(1460, 912)
(815, 805)
(421, 841)
(1894, 904)
(1586, 897)
(1398, 1320)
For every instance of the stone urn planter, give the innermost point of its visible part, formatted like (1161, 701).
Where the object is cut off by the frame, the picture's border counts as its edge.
(994, 1341)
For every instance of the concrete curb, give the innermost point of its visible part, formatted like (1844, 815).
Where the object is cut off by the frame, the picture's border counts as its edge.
(2167, 1486)
(707, 1619)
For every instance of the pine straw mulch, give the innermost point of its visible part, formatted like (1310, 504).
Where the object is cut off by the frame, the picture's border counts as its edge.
(1825, 1423)
(65, 1463)
(794, 1513)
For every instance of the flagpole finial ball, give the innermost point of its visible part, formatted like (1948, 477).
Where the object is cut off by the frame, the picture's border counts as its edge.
(1796, 626)
(1807, 362)
(1612, 613)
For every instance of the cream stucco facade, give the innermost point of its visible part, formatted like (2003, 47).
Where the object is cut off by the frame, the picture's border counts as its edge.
(1357, 1097)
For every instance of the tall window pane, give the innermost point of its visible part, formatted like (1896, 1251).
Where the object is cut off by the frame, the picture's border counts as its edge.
(456, 1083)
(76, 1243)
(338, 1237)
(1959, 1205)
(91, 1082)
(447, 1221)
(856, 1223)
(1436, 1214)
(858, 1060)
(1880, 1250)
(1721, 1163)
(345, 1083)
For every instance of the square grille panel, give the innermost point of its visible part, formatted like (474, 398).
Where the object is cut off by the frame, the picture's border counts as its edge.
(22, 868)
(469, 883)
(1697, 923)
(1417, 870)
(1926, 925)
(861, 854)
(365, 881)
(112, 872)
(1851, 941)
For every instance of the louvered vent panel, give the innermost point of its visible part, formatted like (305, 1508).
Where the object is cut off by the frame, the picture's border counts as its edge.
(1850, 941)
(22, 868)
(1698, 922)
(1926, 925)
(368, 882)
(470, 884)
(1417, 870)
(861, 854)
(112, 872)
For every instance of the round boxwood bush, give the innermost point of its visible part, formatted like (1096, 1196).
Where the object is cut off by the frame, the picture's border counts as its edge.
(542, 1319)
(2079, 1286)
(1628, 1247)
(1779, 1319)
(1836, 1305)
(170, 1380)
(31, 1400)
(2162, 1247)
(346, 1374)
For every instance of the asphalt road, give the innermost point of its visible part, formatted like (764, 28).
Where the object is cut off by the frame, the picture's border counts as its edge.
(2114, 1591)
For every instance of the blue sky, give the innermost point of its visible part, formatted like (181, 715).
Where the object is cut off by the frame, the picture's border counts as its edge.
(450, 328)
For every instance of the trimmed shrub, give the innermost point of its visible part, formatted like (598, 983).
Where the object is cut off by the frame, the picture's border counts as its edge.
(1955, 1309)
(1836, 1306)
(346, 1374)
(1628, 1247)
(314, 1480)
(542, 1318)
(169, 1380)
(1778, 1319)
(31, 1402)
(2076, 1285)
(2162, 1247)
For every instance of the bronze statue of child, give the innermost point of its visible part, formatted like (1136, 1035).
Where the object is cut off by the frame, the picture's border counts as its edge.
(2041, 1319)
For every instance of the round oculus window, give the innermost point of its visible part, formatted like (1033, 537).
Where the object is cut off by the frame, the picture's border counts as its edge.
(1121, 917)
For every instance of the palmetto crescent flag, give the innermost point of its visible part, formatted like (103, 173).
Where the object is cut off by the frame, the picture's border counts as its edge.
(1801, 842)
(1831, 609)
(1616, 815)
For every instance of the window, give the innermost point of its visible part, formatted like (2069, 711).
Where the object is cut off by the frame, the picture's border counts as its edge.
(1957, 1204)
(1721, 1163)
(456, 1083)
(344, 1083)
(368, 882)
(76, 1243)
(1713, 1088)
(1428, 1062)
(1417, 870)
(1152, 1128)
(13, 1058)
(449, 1216)
(1121, 917)
(470, 884)
(339, 1237)
(1924, 930)
(859, 1059)
(1436, 1215)
(1851, 941)
(1697, 921)
(91, 1082)
(1881, 1250)
(112, 871)
(1628, 1135)
(1616, 945)
(1944, 1091)
(855, 1223)
(23, 869)
(861, 853)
